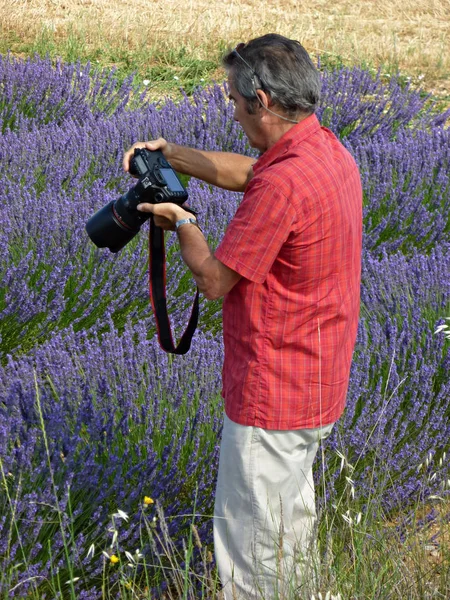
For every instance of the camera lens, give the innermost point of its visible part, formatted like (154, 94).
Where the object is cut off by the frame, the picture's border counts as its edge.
(106, 231)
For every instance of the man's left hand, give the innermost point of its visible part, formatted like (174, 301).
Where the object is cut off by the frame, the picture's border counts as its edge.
(165, 214)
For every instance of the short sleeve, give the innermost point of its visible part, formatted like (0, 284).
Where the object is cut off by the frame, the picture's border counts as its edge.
(257, 232)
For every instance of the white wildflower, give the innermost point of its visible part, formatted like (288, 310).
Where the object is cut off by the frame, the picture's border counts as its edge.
(444, 328)
(114, 538)
(347, 518)
(352, 486)
(122, 515)
(90, 552)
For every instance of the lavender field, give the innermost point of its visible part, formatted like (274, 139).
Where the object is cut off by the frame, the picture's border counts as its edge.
(96, 418)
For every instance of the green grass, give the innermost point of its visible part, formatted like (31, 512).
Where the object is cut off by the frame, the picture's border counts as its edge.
(367, 555)
(167, 69)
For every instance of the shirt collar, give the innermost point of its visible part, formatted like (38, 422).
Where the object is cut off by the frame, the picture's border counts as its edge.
(290, 139)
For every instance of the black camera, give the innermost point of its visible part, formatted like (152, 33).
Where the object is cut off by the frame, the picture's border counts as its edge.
(114, 225)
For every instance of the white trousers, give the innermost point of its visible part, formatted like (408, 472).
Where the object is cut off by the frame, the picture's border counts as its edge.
(264, 514)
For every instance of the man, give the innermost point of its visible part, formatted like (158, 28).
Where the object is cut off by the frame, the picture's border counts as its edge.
(289, 270)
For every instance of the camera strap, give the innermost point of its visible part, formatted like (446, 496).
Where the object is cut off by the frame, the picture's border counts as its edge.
(157, 283)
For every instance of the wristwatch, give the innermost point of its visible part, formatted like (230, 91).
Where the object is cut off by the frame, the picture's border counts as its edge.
(181, 222)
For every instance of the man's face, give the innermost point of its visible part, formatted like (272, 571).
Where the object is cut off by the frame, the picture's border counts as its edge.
(251, 124)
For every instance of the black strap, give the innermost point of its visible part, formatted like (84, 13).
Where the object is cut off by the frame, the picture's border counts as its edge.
(157, 276)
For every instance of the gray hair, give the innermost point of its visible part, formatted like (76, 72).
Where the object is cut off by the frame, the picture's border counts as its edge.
(279, 66)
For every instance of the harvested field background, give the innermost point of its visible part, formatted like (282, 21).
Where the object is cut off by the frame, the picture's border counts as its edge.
(108, 446)
(409, 35)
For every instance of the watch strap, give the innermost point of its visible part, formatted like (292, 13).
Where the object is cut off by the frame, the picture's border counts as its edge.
(181, 222)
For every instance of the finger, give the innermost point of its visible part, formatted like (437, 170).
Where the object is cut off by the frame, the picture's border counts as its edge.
(165, 209)
(186, 207)
(153, 145)
(129, 153)
(146, 207)
(159, 144)
(126, 161)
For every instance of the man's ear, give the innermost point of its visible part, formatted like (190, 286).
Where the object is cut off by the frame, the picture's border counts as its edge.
(264, 98)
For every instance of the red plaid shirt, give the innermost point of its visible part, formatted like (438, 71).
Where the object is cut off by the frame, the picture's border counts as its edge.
(290, 323)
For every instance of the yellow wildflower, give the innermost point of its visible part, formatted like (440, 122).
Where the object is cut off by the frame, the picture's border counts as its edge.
(148, 500)
(114, 559)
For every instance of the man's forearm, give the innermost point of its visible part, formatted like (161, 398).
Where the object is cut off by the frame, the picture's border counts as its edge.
(212, 277)
(223, 169)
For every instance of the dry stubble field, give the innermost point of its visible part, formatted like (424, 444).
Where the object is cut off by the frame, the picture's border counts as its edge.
(411, 34)
(415, 36)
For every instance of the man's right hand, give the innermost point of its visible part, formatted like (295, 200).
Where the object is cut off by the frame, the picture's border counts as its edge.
(223, 169)
(159, 144)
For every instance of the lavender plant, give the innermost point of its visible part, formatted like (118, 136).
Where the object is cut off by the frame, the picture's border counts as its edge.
(356, 104)
(67, 171)
(79, 360)
(36, 92)
(123, 421)
(397, 410)
(53, 275)
(406, 189)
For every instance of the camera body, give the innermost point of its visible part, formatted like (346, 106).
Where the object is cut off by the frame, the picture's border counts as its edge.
(155, 171)
(114, 225)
